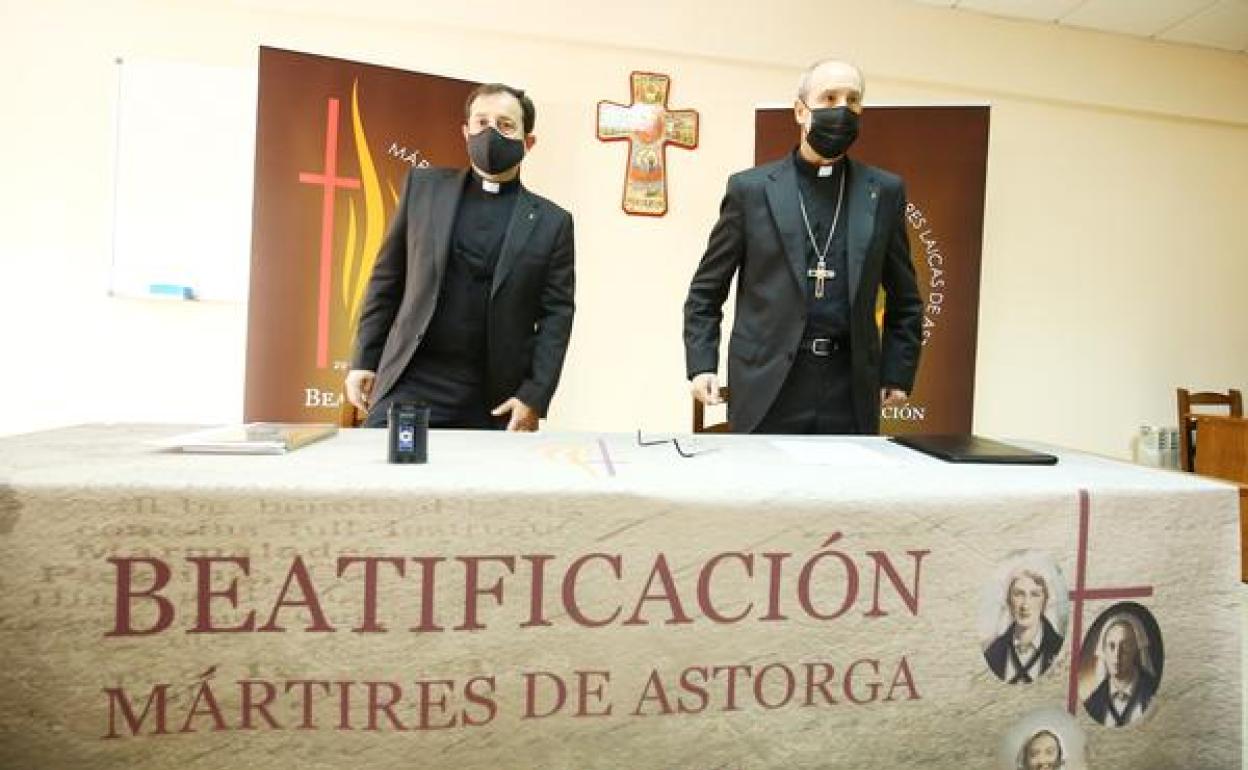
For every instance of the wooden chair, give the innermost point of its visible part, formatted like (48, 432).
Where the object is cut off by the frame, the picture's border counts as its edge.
(1223, 454)
(1243, 533)
(1223, 443)
(699, 416)
(1232, 400)
(349, 416)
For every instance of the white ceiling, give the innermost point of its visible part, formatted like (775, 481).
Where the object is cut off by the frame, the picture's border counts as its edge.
(1212, 23)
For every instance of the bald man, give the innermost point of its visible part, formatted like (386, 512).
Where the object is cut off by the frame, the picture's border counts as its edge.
(811, 239)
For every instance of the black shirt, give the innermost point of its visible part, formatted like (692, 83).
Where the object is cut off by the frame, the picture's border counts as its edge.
(827, 316)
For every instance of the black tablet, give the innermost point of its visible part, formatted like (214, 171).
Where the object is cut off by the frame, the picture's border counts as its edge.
(967, 448)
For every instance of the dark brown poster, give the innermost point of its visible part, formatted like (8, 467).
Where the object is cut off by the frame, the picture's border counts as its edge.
(942, 154)
(334, 142)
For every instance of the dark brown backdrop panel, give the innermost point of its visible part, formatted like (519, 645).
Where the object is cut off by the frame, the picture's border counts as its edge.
(334, 142)
(942, 154)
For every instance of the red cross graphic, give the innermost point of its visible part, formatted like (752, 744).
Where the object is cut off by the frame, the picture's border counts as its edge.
(329, 181)
(1082, 593)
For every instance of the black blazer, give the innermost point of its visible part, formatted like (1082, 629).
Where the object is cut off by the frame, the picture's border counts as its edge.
(531, 301)
(1097, 703)
(1003, 646)
(760, 238)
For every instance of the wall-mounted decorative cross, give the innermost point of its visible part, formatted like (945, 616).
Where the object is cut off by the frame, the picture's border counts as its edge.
(648, 126)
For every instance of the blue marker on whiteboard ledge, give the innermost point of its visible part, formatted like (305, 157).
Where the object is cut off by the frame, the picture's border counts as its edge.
(171, 290)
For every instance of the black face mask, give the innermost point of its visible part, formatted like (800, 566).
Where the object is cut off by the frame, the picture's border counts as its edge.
(832, 130)
(494, 153)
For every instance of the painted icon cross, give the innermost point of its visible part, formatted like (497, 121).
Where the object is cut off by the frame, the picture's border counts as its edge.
(648, 126)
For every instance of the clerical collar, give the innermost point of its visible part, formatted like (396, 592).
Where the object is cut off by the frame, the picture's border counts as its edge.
(494, 188)
(812, 171)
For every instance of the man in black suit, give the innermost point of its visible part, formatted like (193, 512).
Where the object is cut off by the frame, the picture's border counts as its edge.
(469, 308)
(1127, 690)
(812, 238)
(1031, 643)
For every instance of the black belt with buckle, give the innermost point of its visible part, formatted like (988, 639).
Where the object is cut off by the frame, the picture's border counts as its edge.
(823, 346)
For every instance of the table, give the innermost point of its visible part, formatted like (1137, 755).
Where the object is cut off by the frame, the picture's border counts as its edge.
(580, 601)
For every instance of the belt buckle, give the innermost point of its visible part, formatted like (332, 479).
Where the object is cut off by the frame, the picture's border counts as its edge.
(821, 347)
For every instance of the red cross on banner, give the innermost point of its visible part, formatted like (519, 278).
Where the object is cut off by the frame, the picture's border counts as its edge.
(648, 126)
(329, 181)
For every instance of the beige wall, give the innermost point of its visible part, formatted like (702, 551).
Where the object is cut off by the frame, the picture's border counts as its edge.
(1114, 255)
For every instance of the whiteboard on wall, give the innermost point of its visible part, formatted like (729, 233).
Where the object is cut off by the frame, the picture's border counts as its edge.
(183, 176)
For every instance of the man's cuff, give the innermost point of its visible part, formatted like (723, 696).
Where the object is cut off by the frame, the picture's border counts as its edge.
(531, 394)
(362, 361)
(699, 363)
(896, 379)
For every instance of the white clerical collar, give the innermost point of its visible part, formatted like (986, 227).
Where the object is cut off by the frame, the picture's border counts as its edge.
(827, 170)
(491, 187)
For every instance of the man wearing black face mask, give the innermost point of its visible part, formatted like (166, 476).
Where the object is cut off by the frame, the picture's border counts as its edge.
(469, 308)
(812, 239)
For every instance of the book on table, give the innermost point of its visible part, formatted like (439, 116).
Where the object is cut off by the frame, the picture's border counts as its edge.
(262, 438)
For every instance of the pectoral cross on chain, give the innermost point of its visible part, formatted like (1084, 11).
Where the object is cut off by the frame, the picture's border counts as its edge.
(820, 273)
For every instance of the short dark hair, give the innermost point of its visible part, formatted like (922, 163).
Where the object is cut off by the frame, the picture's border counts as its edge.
(489, 89)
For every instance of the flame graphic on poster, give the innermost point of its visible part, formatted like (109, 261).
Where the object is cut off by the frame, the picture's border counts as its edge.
(362, 243)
